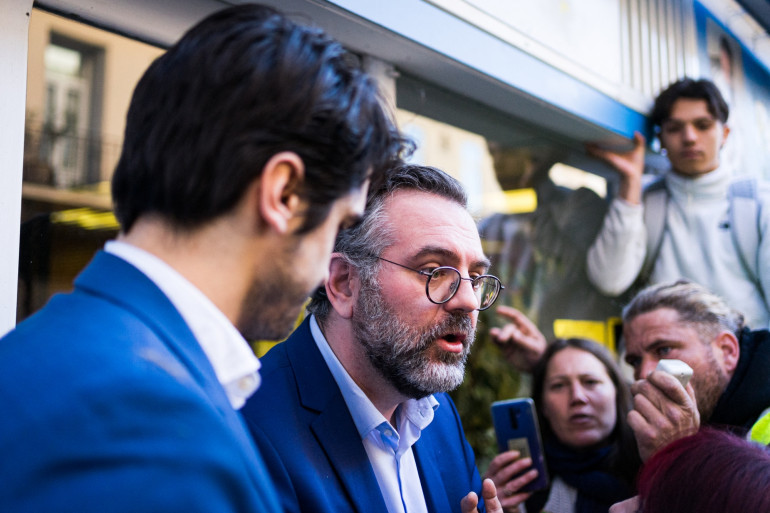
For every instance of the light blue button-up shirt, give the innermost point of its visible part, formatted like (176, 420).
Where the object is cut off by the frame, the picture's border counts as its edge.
(389, 449)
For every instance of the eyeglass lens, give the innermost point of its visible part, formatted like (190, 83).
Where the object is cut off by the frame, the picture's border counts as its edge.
(444, 282)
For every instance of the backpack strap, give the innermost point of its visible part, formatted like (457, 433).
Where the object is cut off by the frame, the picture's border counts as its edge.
(744, 223)
(744, 213)
(655, 207)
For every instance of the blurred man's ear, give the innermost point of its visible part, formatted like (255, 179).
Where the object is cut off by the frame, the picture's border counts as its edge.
(279, 184)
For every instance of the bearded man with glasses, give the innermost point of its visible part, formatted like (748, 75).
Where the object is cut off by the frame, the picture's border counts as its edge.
(353, 413)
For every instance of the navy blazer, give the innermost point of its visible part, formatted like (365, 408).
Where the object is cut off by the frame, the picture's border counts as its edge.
(109, 404)
(313, 451)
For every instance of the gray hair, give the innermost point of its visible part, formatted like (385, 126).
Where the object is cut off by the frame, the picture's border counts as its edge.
(708, 313)
(362, 244)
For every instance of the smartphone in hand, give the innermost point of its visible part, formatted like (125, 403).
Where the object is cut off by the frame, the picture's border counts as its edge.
(516, 427)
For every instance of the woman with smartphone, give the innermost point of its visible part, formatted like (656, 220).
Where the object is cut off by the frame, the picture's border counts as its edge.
(590, 451)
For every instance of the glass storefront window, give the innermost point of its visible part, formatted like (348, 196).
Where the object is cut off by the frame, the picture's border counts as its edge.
(79, 84)
(539, 203)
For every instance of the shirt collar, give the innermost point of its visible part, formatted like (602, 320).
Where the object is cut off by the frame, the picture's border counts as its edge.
(234, 362)
(365, 415)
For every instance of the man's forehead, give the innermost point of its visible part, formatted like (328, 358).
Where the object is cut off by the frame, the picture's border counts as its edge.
(449, 255)
(424, 220)
(645, 323)
(425, 211)
(688, 109)
(661, 325)
(690, 119)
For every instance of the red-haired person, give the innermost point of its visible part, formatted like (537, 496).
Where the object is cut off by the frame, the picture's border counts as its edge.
(710, 471)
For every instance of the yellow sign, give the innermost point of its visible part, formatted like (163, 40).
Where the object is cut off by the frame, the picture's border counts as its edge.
(602, 332)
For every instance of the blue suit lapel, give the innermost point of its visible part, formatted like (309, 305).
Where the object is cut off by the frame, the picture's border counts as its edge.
(433, 485)
(334, 427)
(121, 283)
(349, 458)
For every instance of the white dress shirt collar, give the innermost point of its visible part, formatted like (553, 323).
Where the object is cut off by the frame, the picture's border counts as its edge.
(230, 355)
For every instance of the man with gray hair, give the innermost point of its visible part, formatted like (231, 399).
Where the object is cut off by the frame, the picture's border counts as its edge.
(353, 414)
(684, 321)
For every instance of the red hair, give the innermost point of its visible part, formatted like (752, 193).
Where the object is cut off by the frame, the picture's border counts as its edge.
(711, 471)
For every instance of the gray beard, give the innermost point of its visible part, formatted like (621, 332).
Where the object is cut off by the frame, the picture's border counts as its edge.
(406, 355)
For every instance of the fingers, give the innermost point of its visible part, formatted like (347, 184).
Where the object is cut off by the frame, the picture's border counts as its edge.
(645, 438)
(502, 470)
(512, 496)
(627, 506)
(691, 394)
(489, 492)
(663, 411)
(520, 340)
(520, 330)
(660, 386)
(469, 503)
(630, 163)
(516, 317)
(510, 333)
(500, 462)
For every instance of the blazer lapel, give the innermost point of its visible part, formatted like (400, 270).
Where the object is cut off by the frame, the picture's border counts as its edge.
(120, 282)
(334, 427)
(348, 458)
(433, 485)
(123, 284)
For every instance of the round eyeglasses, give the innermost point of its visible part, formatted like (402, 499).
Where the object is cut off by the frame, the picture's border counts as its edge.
(443, 283)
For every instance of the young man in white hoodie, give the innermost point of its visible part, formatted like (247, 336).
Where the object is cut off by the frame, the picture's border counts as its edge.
(696, 210)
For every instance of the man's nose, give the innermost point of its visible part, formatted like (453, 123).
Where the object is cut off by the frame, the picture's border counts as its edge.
(689, 133)
(465, 299)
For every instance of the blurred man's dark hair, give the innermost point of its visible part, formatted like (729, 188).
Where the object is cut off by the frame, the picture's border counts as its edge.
(234, 91)
(691, 89)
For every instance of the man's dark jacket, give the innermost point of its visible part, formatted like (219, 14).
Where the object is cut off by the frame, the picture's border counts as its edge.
(748, 393)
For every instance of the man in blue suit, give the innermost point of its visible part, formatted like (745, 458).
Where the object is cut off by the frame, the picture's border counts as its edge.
(352, 415)
(247, 146)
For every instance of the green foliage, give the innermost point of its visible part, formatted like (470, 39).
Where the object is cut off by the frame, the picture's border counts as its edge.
(488, 378)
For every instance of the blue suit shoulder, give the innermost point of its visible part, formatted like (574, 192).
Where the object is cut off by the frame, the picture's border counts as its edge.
(102, 414)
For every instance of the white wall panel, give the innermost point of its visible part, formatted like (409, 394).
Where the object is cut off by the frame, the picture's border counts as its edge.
(629, 49)
(14, 25)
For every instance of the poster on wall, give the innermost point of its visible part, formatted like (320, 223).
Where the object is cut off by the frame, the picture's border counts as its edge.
(744, 83)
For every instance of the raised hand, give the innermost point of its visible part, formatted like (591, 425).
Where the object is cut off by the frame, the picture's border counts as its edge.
(521, 342)
(502, 470)
(629, 165)
(664, 411)
(470, 502)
